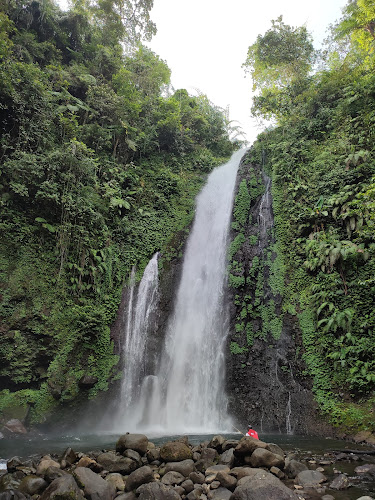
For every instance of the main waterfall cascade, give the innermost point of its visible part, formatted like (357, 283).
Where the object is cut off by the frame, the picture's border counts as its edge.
(185, 394)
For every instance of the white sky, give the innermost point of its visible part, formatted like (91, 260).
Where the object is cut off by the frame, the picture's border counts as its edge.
(205, 42)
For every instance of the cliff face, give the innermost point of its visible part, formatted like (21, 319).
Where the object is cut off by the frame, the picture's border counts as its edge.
(265, 384)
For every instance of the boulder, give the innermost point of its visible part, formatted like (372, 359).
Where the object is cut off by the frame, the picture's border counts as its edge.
(227, 458)
(153, 454)
(188, 485)
(214, 469)
(15, 426)
(293, 468)
(209, 456)
(14, 463)
(53, 473)
(263, 485)
(172, 478)
(229, 443)
(341, 482)
(220, 494)
(196, 477)
(175, 451)
(217, 443)
(310, 479)
(62, 488)
(69, 456)
(130, 495)
(44, 464)
(134, 455)
(116, 463)
(140, 476)
(136, 442)
(94, 486)
(240, 472)
(367, 470)
(274, 448)
(89, 463)
(264, 458)
(11, 481)
(33, 485)
(116, 480)
(13, 495)
(247, 445)
(185, 467)
(156, 491)
(226, 480)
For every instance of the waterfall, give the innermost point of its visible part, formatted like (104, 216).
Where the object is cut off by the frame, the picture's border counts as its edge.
(185, 394)
(193, 362)
(140, 311)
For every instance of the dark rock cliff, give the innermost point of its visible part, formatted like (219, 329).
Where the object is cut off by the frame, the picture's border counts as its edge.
(265, 381)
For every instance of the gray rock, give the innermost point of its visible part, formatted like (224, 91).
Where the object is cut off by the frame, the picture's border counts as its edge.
(367, 470)
(263, 485)
(310, 478)
(274, 448)
(214, 469)
(137, 478)
(208, 457)
(13, 463)
(365, 498)
(341, 482)
(13, 495)
(217, 443)
(172, 478)
(264, 458)
(247, 445)
(62, 488)
(116, 463)
(220, 494)
(94, 486)
(293, 468)
(180, 490)
(87, 381)
(327, 497)
(116, 480)
(15, 426)
(157, 491)
(227, 458)
(175, 451)
(195, 494)
(32, 485)
(136, 442)
(185, 467)
(196, 477)
(130, 495)
(229, 443)
(53, 473)
(134, 455)
(69, 456)
(277, 472)
(188, 485)
(226, 480)
(11, 481)
(240, 472)
(153, 454)
(44, 464)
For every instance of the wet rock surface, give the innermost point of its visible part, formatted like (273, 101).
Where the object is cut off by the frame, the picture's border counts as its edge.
(246, 469)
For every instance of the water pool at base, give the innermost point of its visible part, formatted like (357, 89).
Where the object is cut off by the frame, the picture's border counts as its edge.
(304, 447)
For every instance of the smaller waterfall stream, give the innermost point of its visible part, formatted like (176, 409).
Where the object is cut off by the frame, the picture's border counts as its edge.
(137, 326)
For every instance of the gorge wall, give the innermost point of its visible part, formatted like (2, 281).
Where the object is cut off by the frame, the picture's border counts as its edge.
(265, 380)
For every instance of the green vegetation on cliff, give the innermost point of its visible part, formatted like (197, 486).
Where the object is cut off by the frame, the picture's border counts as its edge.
(100, 164)
(321, 156)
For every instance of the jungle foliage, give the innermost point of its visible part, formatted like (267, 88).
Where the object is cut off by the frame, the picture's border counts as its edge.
(320, 154)
(100, 163)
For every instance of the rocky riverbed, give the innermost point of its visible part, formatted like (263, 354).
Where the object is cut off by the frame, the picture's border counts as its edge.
(220, 469)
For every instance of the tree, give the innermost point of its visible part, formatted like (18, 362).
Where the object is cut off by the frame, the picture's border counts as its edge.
(282, 54)
(359, 23)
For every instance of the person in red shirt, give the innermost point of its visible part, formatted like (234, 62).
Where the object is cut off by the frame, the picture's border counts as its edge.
(252, 433)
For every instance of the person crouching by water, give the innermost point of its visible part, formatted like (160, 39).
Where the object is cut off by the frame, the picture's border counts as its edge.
(252, 433)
